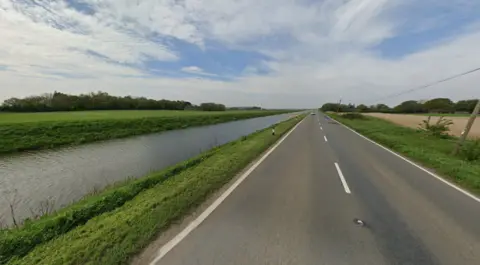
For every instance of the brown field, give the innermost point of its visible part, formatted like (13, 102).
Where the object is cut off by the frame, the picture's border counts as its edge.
(413, 121)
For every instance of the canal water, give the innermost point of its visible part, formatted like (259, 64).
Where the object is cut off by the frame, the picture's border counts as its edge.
(67, 174)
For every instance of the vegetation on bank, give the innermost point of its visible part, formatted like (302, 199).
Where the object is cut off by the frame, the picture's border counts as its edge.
(79, 116)
(17, 137)
(116, 235)
(436, 105)
(20, 240)
(430, 146)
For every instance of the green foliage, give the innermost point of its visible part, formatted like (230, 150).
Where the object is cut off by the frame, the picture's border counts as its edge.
(465, 105)
(363, 108)
(439, 105)
(353, 116)
(470, 150)
(17, 137)
(439, 129)
(410, 106)
(114, 237)
(212, 107)
(93, 101)
(334, 107)
(429, 150)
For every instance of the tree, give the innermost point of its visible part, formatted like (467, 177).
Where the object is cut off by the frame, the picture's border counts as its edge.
(465, 105)
(212, 107)
(363, 108)
(336, 107)
(409, 106)
(383, 108)
(440, 105)
(93, 101)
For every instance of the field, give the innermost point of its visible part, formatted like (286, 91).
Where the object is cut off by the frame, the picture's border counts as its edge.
(121, 230)
(431, 151)
(413, 121)
(444, 114)
(6, 118)
(35, 131)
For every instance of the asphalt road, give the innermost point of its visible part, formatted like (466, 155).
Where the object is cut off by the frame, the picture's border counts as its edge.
(295, 209)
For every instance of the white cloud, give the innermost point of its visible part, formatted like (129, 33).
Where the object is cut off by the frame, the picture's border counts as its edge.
(326, 49)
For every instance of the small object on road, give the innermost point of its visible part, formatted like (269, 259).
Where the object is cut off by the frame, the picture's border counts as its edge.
(359, 222)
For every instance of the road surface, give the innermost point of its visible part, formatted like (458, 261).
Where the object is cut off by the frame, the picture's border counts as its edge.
(301, 205)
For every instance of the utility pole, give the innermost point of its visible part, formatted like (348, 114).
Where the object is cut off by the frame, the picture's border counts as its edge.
(470, 122)
(339, 103)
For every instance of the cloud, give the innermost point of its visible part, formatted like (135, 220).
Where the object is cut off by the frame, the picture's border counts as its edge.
(196, 70)
(301, 53)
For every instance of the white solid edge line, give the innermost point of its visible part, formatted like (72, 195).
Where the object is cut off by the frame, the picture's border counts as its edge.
(342, 179)
(415, 164)
(325, 137)
(195, 223)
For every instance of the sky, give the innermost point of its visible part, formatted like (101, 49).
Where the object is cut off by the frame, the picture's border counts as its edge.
(269, 53)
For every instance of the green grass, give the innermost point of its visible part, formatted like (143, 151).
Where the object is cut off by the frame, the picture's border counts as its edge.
(432, 152)
(27, 135)
(8, 118)
(19, 241)
(115, 236)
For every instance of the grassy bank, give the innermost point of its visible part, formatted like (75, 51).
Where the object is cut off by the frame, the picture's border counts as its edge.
(115, 236)
(22, 136)
(433, 152)
(19, 241)
(8, 118)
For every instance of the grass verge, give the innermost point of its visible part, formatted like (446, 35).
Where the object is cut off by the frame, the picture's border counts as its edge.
(18, 137)
(114, 237)
(432, 152)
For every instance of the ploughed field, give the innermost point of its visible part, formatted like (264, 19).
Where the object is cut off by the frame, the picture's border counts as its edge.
(413, 121)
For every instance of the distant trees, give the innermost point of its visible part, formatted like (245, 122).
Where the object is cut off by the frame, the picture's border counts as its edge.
(97, 101)
(338, 107)
(436, 105)
(465, 105)
(439, 105)
(212, 107)
(363, 108)
(245, 108)
(409, 106)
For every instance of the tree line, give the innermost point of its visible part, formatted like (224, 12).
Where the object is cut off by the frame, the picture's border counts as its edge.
(98, 101)
(436, 105)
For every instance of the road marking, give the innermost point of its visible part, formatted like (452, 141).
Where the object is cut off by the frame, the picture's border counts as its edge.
(321, 128)
(195, 223)
(342, 179)
(325, 137)
(415, 164)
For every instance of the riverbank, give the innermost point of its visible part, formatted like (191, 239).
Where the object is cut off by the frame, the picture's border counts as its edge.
(431, 151)
(114, 235)
(49, 133)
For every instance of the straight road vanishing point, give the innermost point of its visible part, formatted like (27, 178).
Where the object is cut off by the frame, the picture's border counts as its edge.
(345, 201)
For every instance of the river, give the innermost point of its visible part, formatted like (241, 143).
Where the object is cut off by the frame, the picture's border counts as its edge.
(66, 175)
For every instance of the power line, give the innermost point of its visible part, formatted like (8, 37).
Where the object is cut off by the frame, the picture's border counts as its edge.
(429, 85)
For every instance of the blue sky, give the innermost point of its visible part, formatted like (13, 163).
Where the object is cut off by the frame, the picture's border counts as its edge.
(245, 52)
